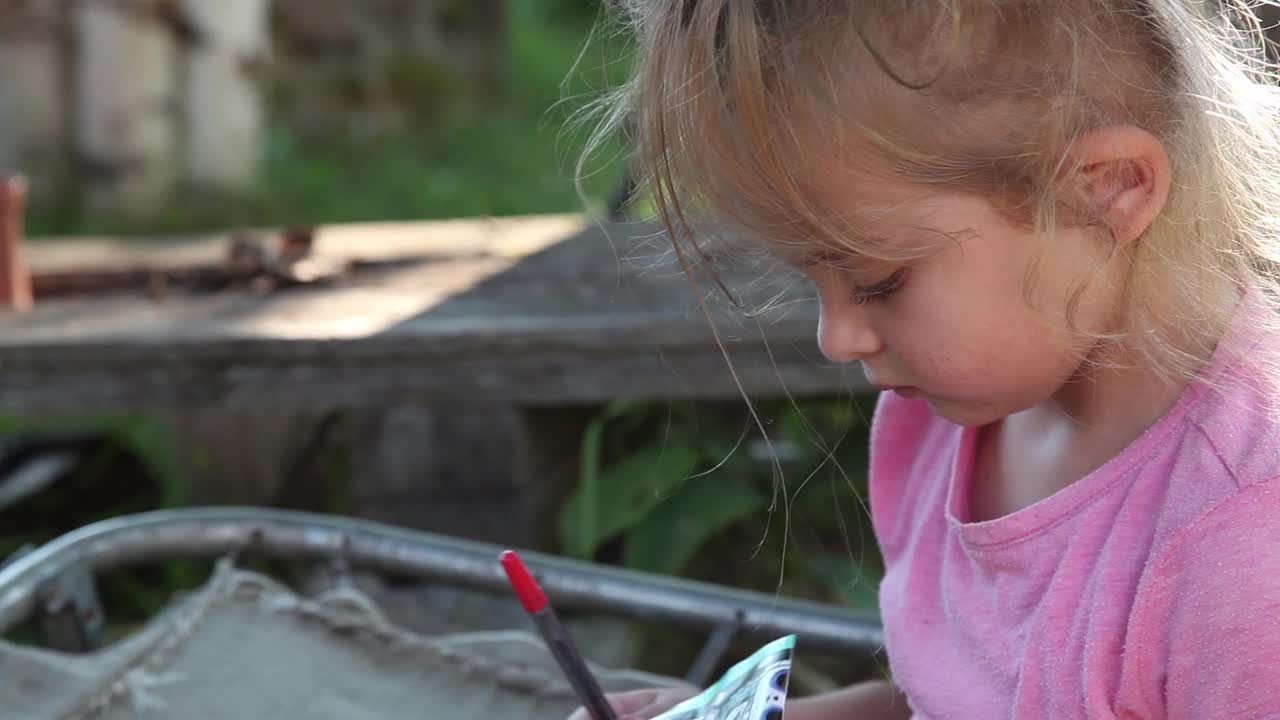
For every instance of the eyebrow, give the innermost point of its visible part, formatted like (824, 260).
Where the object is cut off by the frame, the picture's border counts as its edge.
(824, 256)
(819, 253)
(883, 285)
(843, 260)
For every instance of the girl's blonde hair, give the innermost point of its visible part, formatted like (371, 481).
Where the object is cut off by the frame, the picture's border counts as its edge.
(733, 105)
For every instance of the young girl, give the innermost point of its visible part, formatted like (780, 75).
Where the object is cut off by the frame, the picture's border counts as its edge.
(1048, 230)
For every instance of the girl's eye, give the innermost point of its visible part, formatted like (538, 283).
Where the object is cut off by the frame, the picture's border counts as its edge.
(879, 291)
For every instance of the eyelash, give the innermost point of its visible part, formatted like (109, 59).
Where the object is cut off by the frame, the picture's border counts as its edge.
(881, 290)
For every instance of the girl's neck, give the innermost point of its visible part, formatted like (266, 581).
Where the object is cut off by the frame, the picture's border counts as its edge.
(1119, 400)
(1033, 454)
(1117, 393)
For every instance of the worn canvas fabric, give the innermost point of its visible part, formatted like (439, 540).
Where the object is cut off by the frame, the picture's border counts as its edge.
(246, 647)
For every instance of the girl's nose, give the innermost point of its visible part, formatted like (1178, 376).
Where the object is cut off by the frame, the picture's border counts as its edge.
(844, 335)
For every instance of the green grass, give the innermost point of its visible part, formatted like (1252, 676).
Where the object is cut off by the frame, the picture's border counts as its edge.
(469, 160)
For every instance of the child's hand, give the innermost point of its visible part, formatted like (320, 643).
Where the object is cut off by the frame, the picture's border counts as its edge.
(642, 704)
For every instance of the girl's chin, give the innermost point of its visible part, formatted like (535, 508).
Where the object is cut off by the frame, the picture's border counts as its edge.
(968, 414)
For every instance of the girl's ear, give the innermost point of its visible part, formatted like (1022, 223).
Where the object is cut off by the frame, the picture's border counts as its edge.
(1126, 177)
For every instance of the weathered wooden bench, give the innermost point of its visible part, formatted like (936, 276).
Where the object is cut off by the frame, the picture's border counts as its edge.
(485, 330)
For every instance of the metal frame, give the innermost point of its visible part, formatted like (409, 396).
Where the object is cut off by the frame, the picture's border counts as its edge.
(27, 581)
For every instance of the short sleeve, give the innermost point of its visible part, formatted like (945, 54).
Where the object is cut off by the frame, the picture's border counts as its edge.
(1209, 629)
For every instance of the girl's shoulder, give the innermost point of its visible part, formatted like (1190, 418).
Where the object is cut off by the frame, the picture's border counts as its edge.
(1205, 620)
(1235, 413)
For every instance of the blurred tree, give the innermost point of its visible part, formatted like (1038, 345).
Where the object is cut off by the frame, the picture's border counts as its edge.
(384, 65)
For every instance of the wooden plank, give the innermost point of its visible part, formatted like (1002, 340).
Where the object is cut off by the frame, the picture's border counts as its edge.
(509, 237)
(542, 311)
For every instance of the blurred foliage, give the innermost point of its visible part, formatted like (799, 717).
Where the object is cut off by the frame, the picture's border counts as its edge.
(692, 490)
(577, 11)
(126, 465)
(687, 489)
(468, 159)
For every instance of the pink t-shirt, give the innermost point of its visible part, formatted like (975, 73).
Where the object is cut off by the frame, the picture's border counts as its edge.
(1147, 589)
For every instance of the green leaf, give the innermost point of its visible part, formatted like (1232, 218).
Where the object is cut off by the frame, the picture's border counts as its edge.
(677, 528)
(796, 426)
(856, 581)
(151, 439)
(620, 497)
(579, 519)
(639, 483)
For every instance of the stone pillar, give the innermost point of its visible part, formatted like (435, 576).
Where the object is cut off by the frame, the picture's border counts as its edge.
(33, 93)
(222, 108)
(125, 89)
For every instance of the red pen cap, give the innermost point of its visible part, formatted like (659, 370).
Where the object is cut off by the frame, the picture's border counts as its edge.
(527, 589)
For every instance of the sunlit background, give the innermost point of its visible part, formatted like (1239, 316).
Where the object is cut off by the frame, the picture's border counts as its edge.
(163, 139)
